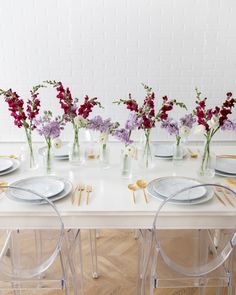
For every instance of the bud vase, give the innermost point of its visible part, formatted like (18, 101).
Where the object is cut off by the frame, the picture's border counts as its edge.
(145, 155)
(178, 151)
(74, 148)
(207, 168)
(48, 159)
(126, 163)
(104, 153)
(28, 155)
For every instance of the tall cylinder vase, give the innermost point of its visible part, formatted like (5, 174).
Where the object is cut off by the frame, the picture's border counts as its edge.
(74, 152)
(145, 152)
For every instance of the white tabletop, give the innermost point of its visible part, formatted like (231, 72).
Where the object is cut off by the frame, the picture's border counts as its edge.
(111, 204)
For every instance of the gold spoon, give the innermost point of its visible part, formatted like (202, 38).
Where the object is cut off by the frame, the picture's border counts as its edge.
(133, 188)
(142, 184)
(89, 189)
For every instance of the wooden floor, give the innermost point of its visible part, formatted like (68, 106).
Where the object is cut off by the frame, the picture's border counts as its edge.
(117, 259)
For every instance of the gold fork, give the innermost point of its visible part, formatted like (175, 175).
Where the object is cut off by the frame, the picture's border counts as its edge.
(81, 188)
(73, 194)
(89, 189)
(3, 183)
(219, 191)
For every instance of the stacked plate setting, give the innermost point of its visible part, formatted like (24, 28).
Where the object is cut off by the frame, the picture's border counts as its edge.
(51, 187)
(165, 151)
(61, 153)
(8, 165)
(226, 167)
(163, 188)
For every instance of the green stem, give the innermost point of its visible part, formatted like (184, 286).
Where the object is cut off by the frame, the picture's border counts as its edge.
(30, 145)
(147, 147)
(48, 160)
(206, 152)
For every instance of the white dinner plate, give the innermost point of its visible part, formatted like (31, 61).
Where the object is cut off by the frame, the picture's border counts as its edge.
(167, 186)
(15, 165)
(58, 154)
(5, 163)
(219, 173)
(226, 165)
(66, 191)
(48, 186)
(208, 196)
(163, 151)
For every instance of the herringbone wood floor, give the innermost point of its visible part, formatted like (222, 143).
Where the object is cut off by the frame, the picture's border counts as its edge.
(117, 259)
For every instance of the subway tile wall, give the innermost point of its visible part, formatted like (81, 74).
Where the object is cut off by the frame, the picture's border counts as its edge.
(106, 48)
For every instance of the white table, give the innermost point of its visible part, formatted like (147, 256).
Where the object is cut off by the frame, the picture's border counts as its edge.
(111, 204)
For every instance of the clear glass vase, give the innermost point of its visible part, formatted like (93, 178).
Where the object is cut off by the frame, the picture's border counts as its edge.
(48, 160)
(74, 148)
(104, 151)
(126, 163)
(207, 169)
(178, 151)
(27, 153)
(145, 154)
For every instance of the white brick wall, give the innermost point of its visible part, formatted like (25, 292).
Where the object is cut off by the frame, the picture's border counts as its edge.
(107, 47)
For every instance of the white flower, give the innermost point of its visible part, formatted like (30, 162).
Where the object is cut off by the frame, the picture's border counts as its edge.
(200, 129)
(57, 143)
(131, 151)
(103, 138)
(184, 131)
(214, 122)
(80, 122)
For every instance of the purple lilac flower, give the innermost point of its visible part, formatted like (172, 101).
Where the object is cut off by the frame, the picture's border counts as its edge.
(134, 121)
(171, 126)
(98, 124)
(122, 135)
(229, 125)
(188, 121)
(49, 128)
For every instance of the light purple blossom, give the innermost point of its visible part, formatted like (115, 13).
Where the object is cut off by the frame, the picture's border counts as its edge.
(188, 121)
(123, 135)
(229, 125)
(48, 127)
(133, 121)
(104, 126)
(171, 126)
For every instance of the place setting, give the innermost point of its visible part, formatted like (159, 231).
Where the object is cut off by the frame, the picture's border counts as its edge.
(52, 187)
(226, 166)
(8, 165)
(164, 187)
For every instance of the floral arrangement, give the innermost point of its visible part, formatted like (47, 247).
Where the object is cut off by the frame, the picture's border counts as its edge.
(149, 115)
(50, 128)
(180, 129)
(74, 113)
(24, 113)
(210, 120)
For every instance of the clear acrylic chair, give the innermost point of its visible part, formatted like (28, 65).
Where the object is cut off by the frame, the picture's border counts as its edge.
(195, 260)
(40, 259)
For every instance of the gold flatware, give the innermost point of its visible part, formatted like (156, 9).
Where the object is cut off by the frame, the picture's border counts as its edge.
(3, 183)
(81, 188)
(89, 189)
(219, 198)
(226, 156)
(192, 154)
(142, 184)
(231, 181)
(73, 194)
(133, 188)
(220, 190)
(9, 156)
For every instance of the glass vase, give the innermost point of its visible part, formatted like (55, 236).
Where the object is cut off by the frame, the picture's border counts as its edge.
(74, 148)
(126, 163)
(48, 160)
(104, 152)
(178, 151)
(27, 153)
(208, 159)
(145, 155)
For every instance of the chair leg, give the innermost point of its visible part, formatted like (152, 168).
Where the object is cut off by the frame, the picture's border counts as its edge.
(93, 251)
(74, 254)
